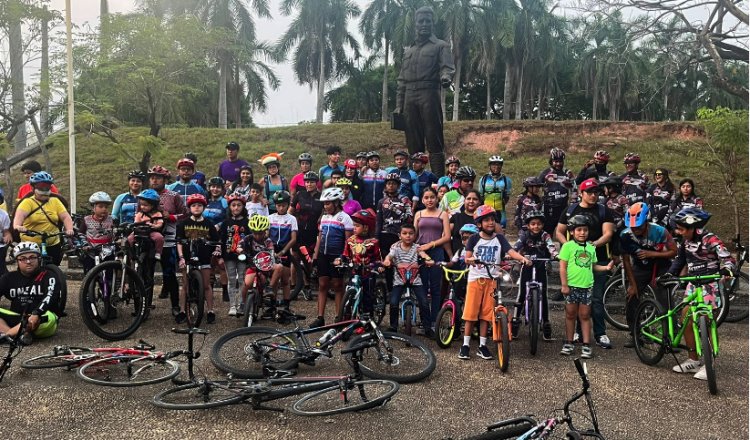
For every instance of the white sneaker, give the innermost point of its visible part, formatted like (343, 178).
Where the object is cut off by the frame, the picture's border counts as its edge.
(701, 374)
(232, 311)
(689, 366)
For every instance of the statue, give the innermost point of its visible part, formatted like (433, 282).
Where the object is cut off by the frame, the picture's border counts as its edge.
(427, 65)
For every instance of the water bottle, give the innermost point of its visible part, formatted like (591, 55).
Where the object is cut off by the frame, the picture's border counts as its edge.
(326, 337)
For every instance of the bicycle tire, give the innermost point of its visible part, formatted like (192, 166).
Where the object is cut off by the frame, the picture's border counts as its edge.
(409, 360)
(123, 311)
(117, 371)
(250, 313)
(355, 400)
(380, 301)
(232, 352)
(197, 395)
(194, 298)
(63, 281)
(346, 311)
(299, 278)
(408, 316)
(613, 299)
(708, 354)
(722, 311)
(506, 432)
(70, 358)
(503, 342)
(738, 299)
(444, 328)
(649, 351)
(534, 321)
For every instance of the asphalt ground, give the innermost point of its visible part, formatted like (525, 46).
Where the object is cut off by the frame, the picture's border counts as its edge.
(633, 401)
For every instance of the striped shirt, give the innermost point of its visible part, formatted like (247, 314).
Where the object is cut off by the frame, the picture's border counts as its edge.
(333, 229)
(282, 227)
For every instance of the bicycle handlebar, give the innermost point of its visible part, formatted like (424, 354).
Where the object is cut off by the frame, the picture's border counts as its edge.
(670, 279)
(452, 275)
(45, 236)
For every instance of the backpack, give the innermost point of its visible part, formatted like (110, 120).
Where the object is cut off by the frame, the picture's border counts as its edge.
(267, 184)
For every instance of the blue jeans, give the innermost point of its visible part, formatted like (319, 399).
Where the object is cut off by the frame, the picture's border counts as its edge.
(419, 292)
(431, 278)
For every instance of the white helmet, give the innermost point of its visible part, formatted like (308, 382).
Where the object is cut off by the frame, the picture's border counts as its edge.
(26, 247)
(332, 195)
(100, 197)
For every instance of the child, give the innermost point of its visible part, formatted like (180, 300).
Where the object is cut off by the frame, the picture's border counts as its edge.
(373, 181)
(362, 249)
(533, 240)
(361, 159)
(256, 204)
(528, 201)
(351, 205)
(404, 253)
(451, 165)
(7, 236)
(232, 232)
(256, 241)
(97, 226)
(197, 227)
(284, 237)
(148, 212)
(351, 172)
(392, 212)
(216, 210)
(489, 247)
(577, 266)
(273, 181)
(458, 261)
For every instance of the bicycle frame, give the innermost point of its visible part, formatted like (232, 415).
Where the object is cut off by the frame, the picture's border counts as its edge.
(407, 274)
(453, 277)
(531, 285)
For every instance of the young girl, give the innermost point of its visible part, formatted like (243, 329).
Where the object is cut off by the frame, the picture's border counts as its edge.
(685, 199)
(148, 211)
(528, 201)
(351, 205)
(362, 249)
(452, 164)
(256, 241)
(284, 237)
(197, 227)
(242, 185)
(441, 190)
(97, 226)
(351, 172)
(273, 181)
(433, 231)
(232, 232)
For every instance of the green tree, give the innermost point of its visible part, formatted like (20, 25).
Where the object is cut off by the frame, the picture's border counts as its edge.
(379, 25)
(360, 96)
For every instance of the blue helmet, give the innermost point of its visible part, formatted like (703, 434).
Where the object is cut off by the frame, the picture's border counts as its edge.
(150, 195)
(692, 218)
(41, 177)
(637, 215)
(470, 228)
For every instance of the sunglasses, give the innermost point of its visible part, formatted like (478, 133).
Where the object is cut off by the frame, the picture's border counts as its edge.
(467, 180)
(27, 259)
(658, 174)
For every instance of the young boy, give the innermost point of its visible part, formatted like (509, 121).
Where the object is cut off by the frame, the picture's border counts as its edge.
(577, 266)
(393, 210)
(373, 181)
(256, 204)
(256, 241)
(284, 237)
(528, 202)
(97, 226)
(406, 253)
(489, 247)
(334, 154)
(533, 240)
(362, 249)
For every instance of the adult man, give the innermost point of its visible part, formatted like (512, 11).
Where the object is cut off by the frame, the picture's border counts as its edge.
(334, 155)
(198, 176)
(186, 185)
(173, 208)
(427, 65)
(424, 178)
(634, 181)
(229, 170)
(558, 182)
(596, 167)
(495, 188)
(409, 180)
(30, 289)
(601, 229)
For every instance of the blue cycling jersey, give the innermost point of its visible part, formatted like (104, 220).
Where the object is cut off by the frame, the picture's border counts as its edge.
(409, 182)
(216, 210)
(186, 189)
(124, 207)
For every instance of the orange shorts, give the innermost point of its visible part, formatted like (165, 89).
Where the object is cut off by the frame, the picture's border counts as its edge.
(479, 301)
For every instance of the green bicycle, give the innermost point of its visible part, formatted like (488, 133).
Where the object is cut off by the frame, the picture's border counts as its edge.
(656, 332)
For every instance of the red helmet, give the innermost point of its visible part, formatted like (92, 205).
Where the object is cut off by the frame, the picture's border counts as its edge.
(236, 196)
(185, 162)
(631, 158)
(158, 170)
(196, 198)
(351, 164)
(365, 217)
(420, 157)
(482, 212)
(602, 156)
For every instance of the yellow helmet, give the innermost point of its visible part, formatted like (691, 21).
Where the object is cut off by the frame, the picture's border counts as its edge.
(343, 181)
(258, 223)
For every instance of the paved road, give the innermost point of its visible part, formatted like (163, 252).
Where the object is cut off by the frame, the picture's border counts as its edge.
(634, 401)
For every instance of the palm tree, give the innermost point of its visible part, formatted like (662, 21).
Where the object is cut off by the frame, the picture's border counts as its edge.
(378, 26)
(319, 33)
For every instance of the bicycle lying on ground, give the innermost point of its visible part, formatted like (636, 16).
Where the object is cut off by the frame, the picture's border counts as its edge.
(15, 344)
(528, 428)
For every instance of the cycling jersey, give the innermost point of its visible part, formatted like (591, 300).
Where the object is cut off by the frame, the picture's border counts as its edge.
(326, 170)
(447, 180)
(174, 209)
(307, 209)
(495, 190)
(232, 232)
(618, 204)
(659, 197)
(425, 179)
(98, 231)
(705, 254)
(409, 182)
(634, 186)
(656, 239)
(599, 172)
(680, 203)
(373, 185)
(200, 178)
(525, 204)
(281, 230)
(124, 207)
(186, 189)
(537, 245)
(39, 292)
(216, 210)
(392, 212)
(557, 186)
(452, 201)
(333, 229)
(298, 183)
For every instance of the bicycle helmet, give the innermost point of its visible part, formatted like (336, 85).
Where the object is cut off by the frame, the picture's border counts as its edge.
(246, 168)
(452, 159)
(351, 164)
(556, 154)
(466, 172)
(636, 215)
(149, 195)
(578, 220)
(158, 170)
(281, 197)
(361, 155)
(192, 199)
(401, 153)
(469, 228)
(631, 158)
(305, 157)
(41, 177)
(692, 218)
(332, 195)
(531, 215)
(602, 156)
(482, 212)
(496, 159)
(185, 162)
(343, 181)
(26, 247)
(216, 181)
(393, 177)
(236, 196)
(271, 159)
(137, 174)
(100, 197)
(420, 157)
(371, 154)
(258, 223)
(532, 181)
(233, 145)
(311, 175)
(192, 156)
(365, 217)
(614, 182)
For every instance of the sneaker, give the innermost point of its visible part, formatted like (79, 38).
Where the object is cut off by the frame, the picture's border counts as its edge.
(546, 331)
(420, 330)
(157, 257)
(319, 322)
(689, 366)
(240, 309)
(232, 311)
(567, 349)
(484, 352)
(463, 353)
(210, 317)
(604, 342)
(586, 351)
(576, 338)
(701, 374)
(515, 326)
(180, 318)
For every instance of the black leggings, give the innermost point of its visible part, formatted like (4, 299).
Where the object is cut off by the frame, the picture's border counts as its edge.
(541, 276)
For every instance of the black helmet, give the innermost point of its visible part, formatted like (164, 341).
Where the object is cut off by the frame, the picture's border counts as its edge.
(192, 156)
(218, 181)
(578, 220)
(531, 215)
(613, 181)
(466, 172)
(556, 154)
(281, 197)
(137, 174)
(311, 175)
(532, 181)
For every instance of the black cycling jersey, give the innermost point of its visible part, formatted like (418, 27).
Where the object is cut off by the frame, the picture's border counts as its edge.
(40, 291)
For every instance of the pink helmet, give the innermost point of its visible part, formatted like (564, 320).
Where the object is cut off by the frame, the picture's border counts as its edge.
(482, 212)
(351, 206)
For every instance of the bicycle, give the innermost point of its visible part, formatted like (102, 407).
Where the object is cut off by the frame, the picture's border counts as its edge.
(391, 356)
(657, 332)
(408, 271)
(47, 264)
(501, 324)
(528, 428)
(15, 343)
(257, 303)
(737, 290)
(448, 320)
(533, 305)
(195, 296)
(351, 303)
(303, 275)
(322, 395)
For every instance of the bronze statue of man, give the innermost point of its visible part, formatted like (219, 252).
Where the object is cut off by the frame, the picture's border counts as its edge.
(427, 65)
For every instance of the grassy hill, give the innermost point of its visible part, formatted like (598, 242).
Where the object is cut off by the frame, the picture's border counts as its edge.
(102, 164)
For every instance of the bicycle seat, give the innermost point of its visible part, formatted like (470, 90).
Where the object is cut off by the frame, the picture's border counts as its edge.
(286, 314)
(190, 331)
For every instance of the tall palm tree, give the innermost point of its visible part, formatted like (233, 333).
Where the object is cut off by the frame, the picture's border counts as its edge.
(378, 26)
(319, 33)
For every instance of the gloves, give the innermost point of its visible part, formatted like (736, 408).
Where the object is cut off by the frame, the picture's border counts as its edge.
(726, 272)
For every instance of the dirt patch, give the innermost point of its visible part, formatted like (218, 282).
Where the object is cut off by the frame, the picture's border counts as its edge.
(491, 141)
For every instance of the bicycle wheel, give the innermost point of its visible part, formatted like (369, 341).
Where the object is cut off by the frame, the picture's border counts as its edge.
(738, 299)
(398, 357)
(722, 310)
(534, 321)
(506, 432)
(445, 328)
(501, 331)
(355, 396)
(708, 353)
(112, 301)
(195, 298)
(242, 352)
(128, 371)
(198, 395)
(380, 302)
(59, 308)
(69, 357)
(614, 303)
(649, 333)
(408, 316)
(347, 311)
(299, 278)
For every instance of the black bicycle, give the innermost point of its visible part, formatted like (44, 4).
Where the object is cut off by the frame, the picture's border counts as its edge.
(195, 296)
(16, 343)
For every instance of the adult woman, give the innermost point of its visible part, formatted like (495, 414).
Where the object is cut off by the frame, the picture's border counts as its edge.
(472, 201)
(685, 199)
(126, 204)
(659, 195)
(433, 231)
(351, 172)
(307, 209)
(298, 181)
(241, 186)
(42, 213)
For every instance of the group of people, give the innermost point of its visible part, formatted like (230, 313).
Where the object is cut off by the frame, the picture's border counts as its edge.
(387, 217)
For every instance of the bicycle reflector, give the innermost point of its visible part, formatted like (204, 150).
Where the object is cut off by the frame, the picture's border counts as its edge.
(263, 261)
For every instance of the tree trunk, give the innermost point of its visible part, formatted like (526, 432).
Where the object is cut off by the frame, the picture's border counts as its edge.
(222, 93)
(321, 81)
(507, 90)
(519, 96)
(238, 93)
(44, 78)
(595, 103)
(457, 85)
(539, 104)
(153, 118)
(488, 103)
(103, 25)
(384, 106)
(15, 44)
